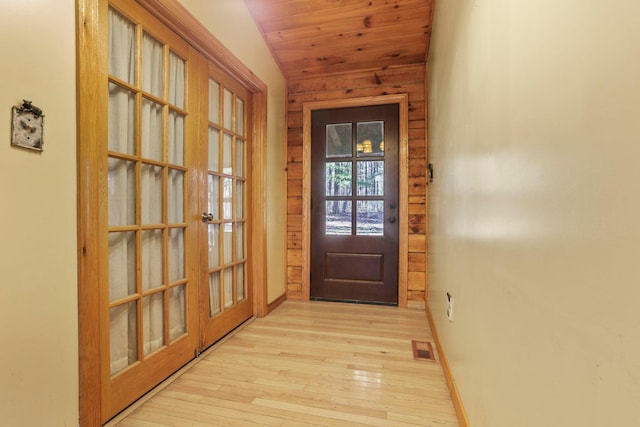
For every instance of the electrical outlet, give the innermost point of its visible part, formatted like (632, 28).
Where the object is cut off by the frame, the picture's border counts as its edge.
(449, 307)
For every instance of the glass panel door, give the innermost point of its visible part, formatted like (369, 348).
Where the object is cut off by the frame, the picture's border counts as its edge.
(224, 209)
(149, 279)
(354, 229)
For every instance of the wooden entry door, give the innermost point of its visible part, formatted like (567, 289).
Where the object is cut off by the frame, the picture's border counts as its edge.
(354, 204)
(225, 299)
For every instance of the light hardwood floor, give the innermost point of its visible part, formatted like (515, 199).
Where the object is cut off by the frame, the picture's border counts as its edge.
(310, 364)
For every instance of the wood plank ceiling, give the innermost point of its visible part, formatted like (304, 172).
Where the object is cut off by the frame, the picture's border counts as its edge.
(318, 37)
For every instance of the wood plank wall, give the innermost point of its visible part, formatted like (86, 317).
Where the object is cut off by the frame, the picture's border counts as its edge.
(385, 81)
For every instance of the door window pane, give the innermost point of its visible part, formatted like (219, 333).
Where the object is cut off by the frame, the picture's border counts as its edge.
(122, 265)
(227, 241)
(153, 322)
(177, 312)
(214, 102)
(214, 196)
(122, 108)
(175, 138)
(239, 116)
(122, 47)
(122, 192)
(214, 150)
(152, 260)
(176, 80)
(370, 218)
(370, 138)
(151, 132)
(152, 65)
(338, 217)
(123, 336)
(228, 287)
(239, 158)
(214, 245)
(240, 282)
(175, 194)
(214, 294)
(371, 178)
(227, 154)
(239, 240)
(227, 201)
(176, 254)
(339, 140)
(228, 109)
(239, 199)
(339, 178)
(151, 194)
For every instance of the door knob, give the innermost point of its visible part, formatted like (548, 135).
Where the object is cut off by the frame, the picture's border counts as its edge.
(206, 217)
(391, 219)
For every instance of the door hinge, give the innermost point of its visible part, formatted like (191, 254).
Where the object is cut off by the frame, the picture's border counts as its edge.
(196, 353)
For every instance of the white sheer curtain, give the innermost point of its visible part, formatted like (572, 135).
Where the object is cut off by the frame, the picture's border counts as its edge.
(121, 193)
(175, 194)
(151, 195)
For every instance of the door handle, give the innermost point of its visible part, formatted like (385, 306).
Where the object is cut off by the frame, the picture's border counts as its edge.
(206, 217)
(391, 219)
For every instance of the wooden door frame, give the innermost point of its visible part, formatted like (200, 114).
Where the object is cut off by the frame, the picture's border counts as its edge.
(403, 183)
(91, 98)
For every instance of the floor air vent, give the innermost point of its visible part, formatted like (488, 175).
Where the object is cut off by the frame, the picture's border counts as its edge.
(423, 350)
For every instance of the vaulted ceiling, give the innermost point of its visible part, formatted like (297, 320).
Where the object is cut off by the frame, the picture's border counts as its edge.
(316, 37)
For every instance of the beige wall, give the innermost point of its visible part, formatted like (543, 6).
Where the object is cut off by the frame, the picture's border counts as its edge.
(535, 208)
(231, 23)
(38, 267)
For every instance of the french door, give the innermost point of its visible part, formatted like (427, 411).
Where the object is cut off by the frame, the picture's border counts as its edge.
(150, 286)
(225, 301)
(173, 205)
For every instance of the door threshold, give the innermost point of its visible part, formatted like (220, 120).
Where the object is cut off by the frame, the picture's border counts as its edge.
(354, 301)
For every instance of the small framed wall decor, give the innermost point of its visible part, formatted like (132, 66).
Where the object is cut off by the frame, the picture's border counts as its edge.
(27, 125)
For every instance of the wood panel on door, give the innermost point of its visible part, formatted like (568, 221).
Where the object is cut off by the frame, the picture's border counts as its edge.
(354, 204)
(225, 296)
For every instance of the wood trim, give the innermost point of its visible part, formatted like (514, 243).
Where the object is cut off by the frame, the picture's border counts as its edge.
(432, 9)
(276, 303)
(448, 374)
(403, 213)
(90, 61)
(403, 153)
(259, 202)
(427, 183)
